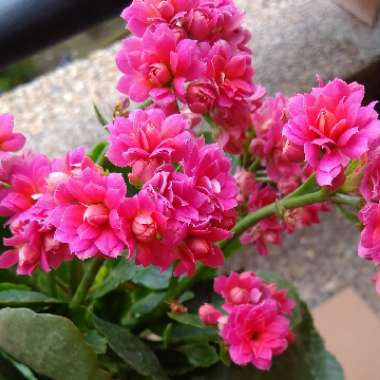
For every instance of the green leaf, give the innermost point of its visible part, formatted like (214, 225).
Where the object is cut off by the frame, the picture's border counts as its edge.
(200, 354)
(98, 151)
(17, 298)
(187, 319)
(96, 341)
(126, 270)
(131, 349)
(10, 286)
(147, 304)
(49, 344)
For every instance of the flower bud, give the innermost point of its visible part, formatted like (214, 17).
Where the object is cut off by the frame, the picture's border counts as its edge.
(209, 315)
(159, 74)
(96, 215)
(239, 296)
(144, 227)
(200, 96)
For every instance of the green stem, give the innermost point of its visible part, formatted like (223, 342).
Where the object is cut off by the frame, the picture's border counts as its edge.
(269, 210)
(52, 284)
(146, 104)
(74, 275)
(85, 284)
(255, 164)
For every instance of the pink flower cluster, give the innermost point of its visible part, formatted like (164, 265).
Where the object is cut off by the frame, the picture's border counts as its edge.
(255, 195)
(191, 54)
(70, 207)
(255, 327)
(188, 195)
(329, 127)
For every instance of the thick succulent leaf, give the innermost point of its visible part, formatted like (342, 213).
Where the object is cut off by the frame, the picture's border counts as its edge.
(200, 354)
(131, 349)
(51, 345)
(18, 298)
(126, 270)
(147, 304)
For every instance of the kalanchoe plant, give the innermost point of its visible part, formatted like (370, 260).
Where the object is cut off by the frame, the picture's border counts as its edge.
(110, 258)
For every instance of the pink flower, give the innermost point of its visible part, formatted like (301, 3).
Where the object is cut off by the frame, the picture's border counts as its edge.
(369, 245)
(73, 164)
(87, 214)
(146, 140)
(268, 122)
(201, 95)
(255, 334)
(201, 20)
(239, 289)
(143, 13)
(210, 170)
(370, 184)
(247, 184)
(333, 127)
(156, 63)
(26, 176)
(9, 141)
(33, 244)
(209, 315)
(146, 230)
(232, 72)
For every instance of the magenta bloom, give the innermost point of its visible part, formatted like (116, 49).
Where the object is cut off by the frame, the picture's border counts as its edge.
(239, 289)
(26, 175)
(210, 170)
(209, 314)
(201, 20)
(156, 62)
(146, 229)
(33, 244)
(73, 164)
(87, 214)
(370, 184)
(9, 141)
(255, 334)
(333, 127)
(268, 122)
(146, 140)
(232, 72)
(369, 245)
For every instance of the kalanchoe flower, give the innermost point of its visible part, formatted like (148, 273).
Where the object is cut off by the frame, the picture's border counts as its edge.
(157, 66)
(370, 184)
(256, 327)
(268, 145)
(232, 73)
(369, 245)
(209, 314)
(87, 214)
(333, 127)
(9, 140)
(33, 244)
(26, 176)
(146, 140)
(201, 20)
(201, 95)
(146, 230)
(72, 164)
(255, 334)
